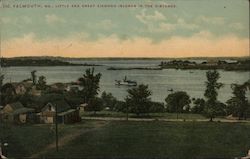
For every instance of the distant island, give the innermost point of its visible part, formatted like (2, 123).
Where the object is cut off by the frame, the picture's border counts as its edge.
(207, 63)
(16, 62)
(238, 65)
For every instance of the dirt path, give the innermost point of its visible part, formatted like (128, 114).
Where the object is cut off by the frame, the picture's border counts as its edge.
(67, 138)
(160, 119)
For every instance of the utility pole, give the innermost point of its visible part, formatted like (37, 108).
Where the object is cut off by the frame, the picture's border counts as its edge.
(127, 112)
(176, 112)
(56, 129)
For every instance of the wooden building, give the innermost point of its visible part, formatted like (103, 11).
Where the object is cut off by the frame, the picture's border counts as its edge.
(65, 114)
(17, 113)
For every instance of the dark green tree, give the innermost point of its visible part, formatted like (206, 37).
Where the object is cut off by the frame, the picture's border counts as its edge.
(41, 84)
(8, 94)
(156, 107)
(34, 77)
(199, 105)
(238, 104)
(108, 100)
(95, 104)
(120, 106)
(1, 84)
(211, 93)
(138, 99)
(90, 83)
(1, 80)
(178, 102)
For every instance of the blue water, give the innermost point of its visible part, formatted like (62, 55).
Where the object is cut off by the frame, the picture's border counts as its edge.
(159, 81)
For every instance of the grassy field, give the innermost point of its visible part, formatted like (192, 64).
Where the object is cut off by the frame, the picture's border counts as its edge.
(25, 140)
(134, 139)
(161, 139)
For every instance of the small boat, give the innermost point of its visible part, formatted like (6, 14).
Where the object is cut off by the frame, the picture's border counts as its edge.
(170, 90)
(125, 82)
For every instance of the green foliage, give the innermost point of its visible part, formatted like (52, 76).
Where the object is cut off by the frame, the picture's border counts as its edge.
(26, 99)
(108, 100)
(238, 104)
(8, 94)
(1, 81)
(211, 93)
(73, 99)
(41, 85)
(156, 107)
(178, 102)
(199, 105)
(120, 106)
(1, 84)
(138, 100)
(34, 77)
(90, 83)
(95, 104)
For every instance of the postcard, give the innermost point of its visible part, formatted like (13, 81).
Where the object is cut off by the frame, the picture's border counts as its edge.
(124, 79)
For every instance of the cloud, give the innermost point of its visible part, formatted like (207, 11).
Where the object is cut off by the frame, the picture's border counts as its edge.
(26, 19)
(166, 27)
(52, 18)
(16, 21)
(157, 22)
(6, 20)
(146, 18)
(105, 24)
(237, 26)
(183, 24)
(200, 44)
(211, 20)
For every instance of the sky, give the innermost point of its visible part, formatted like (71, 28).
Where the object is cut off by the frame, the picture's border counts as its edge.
(193, 28)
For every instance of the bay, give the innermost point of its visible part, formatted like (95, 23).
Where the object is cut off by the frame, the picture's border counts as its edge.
(159, 81)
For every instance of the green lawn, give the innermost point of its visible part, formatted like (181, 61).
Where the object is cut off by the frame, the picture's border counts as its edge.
(132, 139)
(25, 140)
(160, 139)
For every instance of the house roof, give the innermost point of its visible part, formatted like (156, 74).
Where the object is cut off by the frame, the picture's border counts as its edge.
(23, 110)
(18, 108)
(66, 112)
(50, 98)
(62, 105)
(16, 105)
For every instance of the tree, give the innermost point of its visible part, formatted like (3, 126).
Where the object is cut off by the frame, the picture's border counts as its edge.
(120, 106)
(41, 84)
(90, 83)
(238, 104)
(8, 94)
(33, 77)
(156, 107)
(1, 80)
(108, 100)
(138, 100)
(177, 102)
(211, 93)
(199, 105)
(95, 104)
(1, 84)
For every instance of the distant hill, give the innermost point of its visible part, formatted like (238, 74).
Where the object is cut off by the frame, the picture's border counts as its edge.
(38, 61)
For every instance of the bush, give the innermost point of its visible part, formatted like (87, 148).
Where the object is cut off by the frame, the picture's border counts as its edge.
(157, 107)
(95, 104)
(178, 102)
